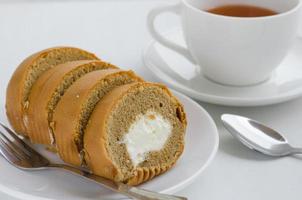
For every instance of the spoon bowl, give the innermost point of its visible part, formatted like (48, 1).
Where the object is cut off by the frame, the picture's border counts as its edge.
(257, 136)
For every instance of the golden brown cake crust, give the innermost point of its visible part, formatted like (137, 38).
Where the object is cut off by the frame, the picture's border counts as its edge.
(15, 90)
(95, 138)
(14, 93)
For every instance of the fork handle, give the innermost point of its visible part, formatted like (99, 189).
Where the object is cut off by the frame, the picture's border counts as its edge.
(296, 150)
(129, 191)
(134, 192)
(142, 194)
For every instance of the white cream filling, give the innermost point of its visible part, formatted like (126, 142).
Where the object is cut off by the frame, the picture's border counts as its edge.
(148, 133)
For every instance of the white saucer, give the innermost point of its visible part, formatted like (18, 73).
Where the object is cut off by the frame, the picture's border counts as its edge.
(201, 146)
(177, 72)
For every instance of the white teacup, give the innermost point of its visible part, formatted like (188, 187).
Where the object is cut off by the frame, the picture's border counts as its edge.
(233, 50)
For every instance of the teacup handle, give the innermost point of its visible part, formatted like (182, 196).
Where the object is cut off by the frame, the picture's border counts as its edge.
(175, 9)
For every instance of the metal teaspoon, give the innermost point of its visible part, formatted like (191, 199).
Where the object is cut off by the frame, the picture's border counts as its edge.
(257, 136)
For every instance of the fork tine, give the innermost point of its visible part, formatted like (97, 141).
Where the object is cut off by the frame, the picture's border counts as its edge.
(6, 153)
(13, 147)
(25, 147)
(29, 158)
(14, 157)
(12, 134)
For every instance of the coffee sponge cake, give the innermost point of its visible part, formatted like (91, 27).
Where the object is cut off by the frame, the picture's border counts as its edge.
(97, 116)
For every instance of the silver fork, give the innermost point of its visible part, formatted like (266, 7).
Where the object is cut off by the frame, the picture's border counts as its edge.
(22, 156)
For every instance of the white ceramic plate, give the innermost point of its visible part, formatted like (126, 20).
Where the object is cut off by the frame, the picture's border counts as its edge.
(179, 73)
(201, 146)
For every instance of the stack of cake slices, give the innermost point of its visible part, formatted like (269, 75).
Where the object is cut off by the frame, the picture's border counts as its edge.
(95, 115)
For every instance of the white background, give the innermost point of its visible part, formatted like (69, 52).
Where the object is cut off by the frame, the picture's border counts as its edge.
(116, 31)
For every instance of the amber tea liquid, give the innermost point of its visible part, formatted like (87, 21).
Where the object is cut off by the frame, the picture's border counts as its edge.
(242, 11)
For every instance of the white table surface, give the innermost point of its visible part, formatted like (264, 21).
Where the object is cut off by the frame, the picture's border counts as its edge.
(116, 31)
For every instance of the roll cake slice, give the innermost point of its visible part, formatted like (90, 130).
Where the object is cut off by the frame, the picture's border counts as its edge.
(28, 72)
(135, 133)
(73, 111)
(47, 92)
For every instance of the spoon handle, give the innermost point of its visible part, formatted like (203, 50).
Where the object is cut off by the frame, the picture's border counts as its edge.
(296, 150)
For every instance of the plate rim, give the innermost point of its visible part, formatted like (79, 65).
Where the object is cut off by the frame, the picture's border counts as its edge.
(214, 99)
